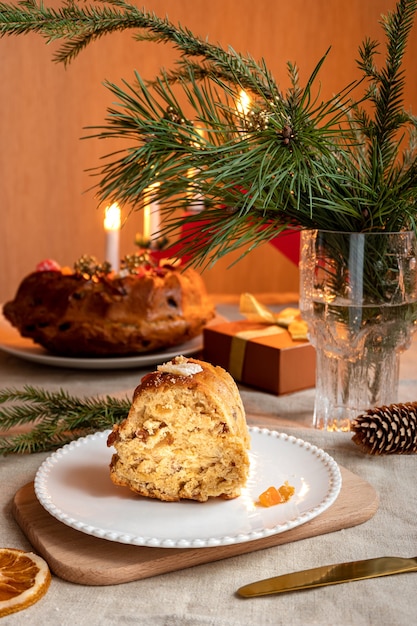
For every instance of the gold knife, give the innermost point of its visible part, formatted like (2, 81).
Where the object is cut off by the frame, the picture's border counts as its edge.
(330, 575)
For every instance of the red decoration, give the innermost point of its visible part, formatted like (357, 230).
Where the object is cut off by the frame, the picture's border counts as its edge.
(48, 265)
(288, 242)
(189, 229)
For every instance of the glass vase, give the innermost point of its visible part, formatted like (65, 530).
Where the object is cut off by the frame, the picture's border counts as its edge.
(358, 294)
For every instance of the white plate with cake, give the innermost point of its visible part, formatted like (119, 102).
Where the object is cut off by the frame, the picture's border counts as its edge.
(183, 470)
(73, 485)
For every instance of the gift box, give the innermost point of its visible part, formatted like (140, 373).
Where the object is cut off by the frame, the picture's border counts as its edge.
(261, 355)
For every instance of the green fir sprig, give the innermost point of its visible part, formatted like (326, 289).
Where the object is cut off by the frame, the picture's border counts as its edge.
(348, 163)
(54, 418)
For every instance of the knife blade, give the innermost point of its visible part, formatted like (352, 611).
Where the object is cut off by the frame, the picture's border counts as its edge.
(330, 575)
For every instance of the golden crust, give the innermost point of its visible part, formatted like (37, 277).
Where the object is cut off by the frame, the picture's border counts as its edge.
(72, 316)
(185, 437)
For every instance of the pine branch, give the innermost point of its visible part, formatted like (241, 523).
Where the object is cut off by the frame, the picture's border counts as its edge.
(280, 181)
(387, 85)
(55, 417)
(292, 160)
(79, 27)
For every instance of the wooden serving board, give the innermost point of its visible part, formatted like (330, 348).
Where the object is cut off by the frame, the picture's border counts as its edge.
(81, 558)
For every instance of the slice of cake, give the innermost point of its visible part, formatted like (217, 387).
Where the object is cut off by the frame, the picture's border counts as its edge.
(185, 435)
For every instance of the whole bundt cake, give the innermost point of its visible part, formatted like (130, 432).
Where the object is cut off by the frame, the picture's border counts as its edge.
(86, 313)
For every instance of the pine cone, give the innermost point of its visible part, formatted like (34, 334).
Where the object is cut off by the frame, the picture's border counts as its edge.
(387, 429)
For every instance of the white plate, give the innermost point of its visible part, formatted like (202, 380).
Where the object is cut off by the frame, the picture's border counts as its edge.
(73, 485)
(12, 343)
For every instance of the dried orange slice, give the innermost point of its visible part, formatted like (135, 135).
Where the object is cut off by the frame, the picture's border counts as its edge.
(24, 579)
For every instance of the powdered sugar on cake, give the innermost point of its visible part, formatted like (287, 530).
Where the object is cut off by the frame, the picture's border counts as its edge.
(180, 366)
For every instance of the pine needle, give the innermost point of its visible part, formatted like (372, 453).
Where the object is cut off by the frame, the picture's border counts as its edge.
(55, 418)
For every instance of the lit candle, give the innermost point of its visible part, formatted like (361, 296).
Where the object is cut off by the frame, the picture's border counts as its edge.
(147, 222)
(151, 216)
(112, 228)
(196, 199)
(243, 108)
(243, 103)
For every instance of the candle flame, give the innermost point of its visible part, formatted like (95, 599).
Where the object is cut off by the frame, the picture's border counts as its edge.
(112, 217)
(200, 133)
(243, 103)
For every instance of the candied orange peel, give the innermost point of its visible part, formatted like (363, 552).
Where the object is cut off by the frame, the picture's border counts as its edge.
(273, 496)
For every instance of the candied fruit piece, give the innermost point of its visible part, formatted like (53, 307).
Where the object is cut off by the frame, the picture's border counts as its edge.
(270, 497)
(287, 491)
(273, 496)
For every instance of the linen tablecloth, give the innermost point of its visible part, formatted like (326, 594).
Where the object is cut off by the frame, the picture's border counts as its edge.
(205, 595)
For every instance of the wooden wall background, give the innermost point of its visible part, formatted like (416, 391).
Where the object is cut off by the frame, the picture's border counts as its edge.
(46, 208)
